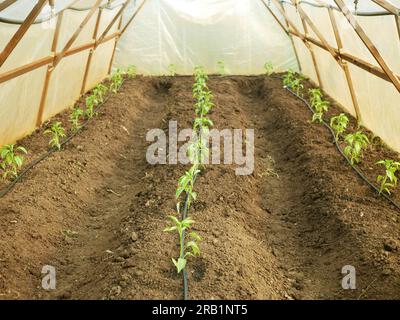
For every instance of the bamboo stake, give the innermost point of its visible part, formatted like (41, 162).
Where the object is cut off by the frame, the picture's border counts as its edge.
(21, 31)
(368, 43)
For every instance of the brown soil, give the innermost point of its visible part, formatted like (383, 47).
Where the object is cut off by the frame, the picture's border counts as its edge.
(285, 232)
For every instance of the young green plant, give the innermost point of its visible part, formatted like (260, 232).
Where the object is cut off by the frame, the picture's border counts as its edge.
(388, 181)
(339, 124)
(269, 68)
(74, 118)
(11, 160)
(187, 241)
(356, 142)
(57, 133)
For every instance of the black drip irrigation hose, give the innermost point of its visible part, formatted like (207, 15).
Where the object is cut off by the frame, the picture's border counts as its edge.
(362, 176)
(31, 165)
(183, 217)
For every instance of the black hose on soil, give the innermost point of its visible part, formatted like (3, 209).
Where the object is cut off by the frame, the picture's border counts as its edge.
(183, 217)
(362, 176)
(11, 185)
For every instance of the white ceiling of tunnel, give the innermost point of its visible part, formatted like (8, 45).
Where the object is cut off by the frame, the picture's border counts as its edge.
(19, 10)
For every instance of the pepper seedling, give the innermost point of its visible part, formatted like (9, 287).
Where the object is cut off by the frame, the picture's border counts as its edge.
(356, 142)
(187, 248)
(57, 132)
(339, 124)
(76, 114)
(11, 160)
(389, 181)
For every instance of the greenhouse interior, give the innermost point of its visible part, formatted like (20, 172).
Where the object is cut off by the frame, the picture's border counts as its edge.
(199, 150)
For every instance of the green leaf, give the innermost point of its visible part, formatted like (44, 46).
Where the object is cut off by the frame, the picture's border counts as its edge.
(195, 236)
(170, 229)
(193, 245)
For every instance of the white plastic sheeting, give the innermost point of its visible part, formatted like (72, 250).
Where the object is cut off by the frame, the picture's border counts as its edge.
(20, 97)
(186, 33)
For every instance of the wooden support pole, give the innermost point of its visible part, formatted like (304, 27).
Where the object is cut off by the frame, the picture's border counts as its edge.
(368, 43)
(91, 52)
(305, 18)
(275, 17)
(344, 65)
(292, 41)
(312, 53)
(49, 71)
(387, 6)
(11, 74)
(5, 4)
(111, 24)
(397, 20)
(133, 17)
(76, 33)
(114, 48)
(21, 31)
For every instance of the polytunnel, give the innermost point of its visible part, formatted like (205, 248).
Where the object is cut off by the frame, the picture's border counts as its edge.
(94, 95)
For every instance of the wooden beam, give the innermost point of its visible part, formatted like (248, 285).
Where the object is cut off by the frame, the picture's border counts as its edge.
(283, 13)
(19, 34)
(133, 17)
(90, 56)
(76, 33)
(11, 74)
(344, 65)
(368, 43)
(292, 41)
(397, 20)
(5, 4)
(49, 71)
(312, 53)
(114, 48)
(387, 6)
(14, 73)
(275, 17)
(320, 36)
(111, 24)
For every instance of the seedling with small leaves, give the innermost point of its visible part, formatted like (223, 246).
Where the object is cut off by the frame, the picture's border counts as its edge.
(389, 181)
(188, 248)
(57, 133)
(116, 81)
(99, 92)
(221, 67)
(74, 118)
(339, 124)
(172, 70)
(11, 160)
(293, 81)
(269, 68)
(91, 102)
(131, 71)
(356, 142)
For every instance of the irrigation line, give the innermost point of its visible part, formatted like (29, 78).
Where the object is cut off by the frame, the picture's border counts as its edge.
(31, 165)
(362, 176)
